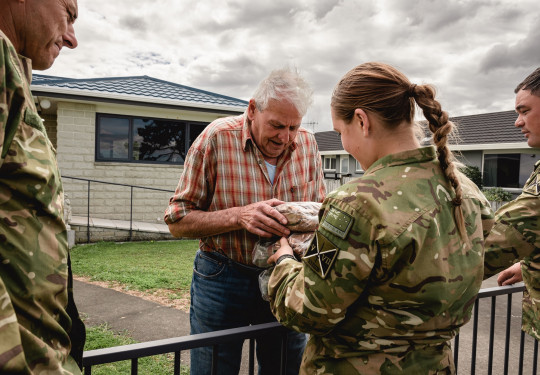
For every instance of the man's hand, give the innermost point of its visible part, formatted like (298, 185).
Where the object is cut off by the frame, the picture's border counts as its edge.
(511, 275)
(285, 248)
(262, 219)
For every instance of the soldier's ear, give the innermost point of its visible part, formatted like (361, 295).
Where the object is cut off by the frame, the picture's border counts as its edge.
(362, 120)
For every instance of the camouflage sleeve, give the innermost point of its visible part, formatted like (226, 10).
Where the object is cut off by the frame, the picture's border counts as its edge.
(313, 296)
(12, 359)
(515, 235)
(11, 97)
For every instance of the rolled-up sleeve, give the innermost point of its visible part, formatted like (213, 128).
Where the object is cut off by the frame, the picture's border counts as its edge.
(194, 190)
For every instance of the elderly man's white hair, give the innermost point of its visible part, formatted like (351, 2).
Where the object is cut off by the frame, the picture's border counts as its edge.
(284, 84)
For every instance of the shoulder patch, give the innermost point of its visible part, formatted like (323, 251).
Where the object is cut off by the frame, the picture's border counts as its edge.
(337, 222)
(533, 186)
(321, 255)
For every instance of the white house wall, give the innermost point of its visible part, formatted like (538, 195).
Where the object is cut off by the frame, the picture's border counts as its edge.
(76, 132)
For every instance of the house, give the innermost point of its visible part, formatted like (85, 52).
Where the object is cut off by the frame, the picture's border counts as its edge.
(126, 131)
(488, 141)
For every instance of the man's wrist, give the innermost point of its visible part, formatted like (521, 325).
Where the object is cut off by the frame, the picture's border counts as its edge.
(283, 257)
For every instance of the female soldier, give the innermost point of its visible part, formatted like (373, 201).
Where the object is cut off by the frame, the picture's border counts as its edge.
(397, 260)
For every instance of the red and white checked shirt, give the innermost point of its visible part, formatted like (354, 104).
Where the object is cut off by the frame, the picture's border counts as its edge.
(224, 169)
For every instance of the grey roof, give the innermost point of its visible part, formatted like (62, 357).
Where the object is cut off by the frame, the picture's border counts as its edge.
(328, 141)
(136, 86)
(486, 128)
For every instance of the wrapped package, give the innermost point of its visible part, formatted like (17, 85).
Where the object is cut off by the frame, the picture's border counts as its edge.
(301, 216)
(302, 221)
(265, 248)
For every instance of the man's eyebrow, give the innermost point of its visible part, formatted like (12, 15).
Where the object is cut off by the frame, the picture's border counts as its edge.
(72, 13)
(520, 107)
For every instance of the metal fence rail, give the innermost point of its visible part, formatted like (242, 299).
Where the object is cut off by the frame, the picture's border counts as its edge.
(131, 187)
(480, 330)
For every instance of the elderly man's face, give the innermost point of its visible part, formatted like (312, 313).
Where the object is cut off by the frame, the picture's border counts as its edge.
(48, 28)
(274, 128)
(528, 109)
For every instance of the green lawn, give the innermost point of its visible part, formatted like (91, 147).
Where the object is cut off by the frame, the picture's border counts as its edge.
(143, 266)
(102, 337)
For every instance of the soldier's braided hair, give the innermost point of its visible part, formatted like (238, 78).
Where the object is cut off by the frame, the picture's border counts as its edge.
(441, 128)
(385, 91)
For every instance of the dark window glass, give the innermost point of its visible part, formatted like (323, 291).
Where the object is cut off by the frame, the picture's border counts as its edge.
(156, 140)
(113, 138)
(502, 170)
(144, 140)
(194, 131)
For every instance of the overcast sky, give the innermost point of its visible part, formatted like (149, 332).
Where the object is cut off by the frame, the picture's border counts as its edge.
(474, 51)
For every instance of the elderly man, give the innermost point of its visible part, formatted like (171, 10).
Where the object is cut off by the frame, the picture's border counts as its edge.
(235, 173)
(40, 329)
(516, 234)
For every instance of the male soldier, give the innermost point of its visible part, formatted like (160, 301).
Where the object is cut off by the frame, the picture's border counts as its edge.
(236, 171)
(40, 330)
(516, 234)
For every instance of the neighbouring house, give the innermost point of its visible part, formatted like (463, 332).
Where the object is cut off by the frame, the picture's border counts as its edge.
(127, 131)
(488, 141)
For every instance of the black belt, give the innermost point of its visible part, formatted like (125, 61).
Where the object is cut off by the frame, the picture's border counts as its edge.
(244, 268)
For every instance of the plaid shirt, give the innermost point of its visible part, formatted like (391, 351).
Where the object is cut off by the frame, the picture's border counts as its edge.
(225, 169)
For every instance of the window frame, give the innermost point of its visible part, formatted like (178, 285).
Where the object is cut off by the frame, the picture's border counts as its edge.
(330, 158)
(344, 160)
(130, 160)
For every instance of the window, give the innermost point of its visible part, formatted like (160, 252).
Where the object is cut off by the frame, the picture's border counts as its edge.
(501, 170)
(329, 163)
(344, 165)
(358, 166)
(144, 140)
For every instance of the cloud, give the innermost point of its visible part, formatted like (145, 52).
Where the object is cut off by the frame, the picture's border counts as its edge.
(522, 53)
(473, 51)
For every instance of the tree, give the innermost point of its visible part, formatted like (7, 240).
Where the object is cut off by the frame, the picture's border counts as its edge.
(474, 174)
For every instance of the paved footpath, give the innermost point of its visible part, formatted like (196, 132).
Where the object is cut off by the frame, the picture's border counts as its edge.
(143, 320)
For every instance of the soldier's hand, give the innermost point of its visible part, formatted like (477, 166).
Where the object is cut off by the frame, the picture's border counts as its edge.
(511, 275)
(284, 248)
(263, 219)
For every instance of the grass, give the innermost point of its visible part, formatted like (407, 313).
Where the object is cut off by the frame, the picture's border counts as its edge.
(143, 266)
(102, 336)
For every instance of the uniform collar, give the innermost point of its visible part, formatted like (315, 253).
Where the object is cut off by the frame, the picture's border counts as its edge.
(419, 155)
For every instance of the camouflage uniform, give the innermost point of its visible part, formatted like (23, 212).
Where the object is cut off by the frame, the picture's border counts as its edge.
(388, 280)
(516, 236)
(36, 303)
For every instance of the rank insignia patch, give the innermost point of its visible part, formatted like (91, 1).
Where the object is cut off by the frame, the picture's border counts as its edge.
(533, 187)
(321, 255)
(337, 222)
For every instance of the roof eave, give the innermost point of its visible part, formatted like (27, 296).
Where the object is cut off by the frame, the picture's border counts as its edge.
(43, 90)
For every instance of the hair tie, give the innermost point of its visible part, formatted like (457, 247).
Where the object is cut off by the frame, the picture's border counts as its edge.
(411, 92)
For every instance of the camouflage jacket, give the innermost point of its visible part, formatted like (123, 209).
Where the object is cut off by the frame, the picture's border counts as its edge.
(516, 236)
(388, 280)
(35, 326)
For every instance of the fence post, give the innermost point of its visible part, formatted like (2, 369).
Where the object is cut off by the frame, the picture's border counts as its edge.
(88, 216)
(131, 214)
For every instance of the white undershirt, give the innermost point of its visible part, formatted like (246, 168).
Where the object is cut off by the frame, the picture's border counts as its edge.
(271, 171)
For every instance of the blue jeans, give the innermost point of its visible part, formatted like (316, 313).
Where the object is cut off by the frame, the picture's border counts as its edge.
(224, 296)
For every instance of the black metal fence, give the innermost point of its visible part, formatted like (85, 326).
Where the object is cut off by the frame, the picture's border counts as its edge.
(471, 354)
(131, 189)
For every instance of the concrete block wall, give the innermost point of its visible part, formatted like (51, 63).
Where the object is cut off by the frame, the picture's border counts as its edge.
(76, 137)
